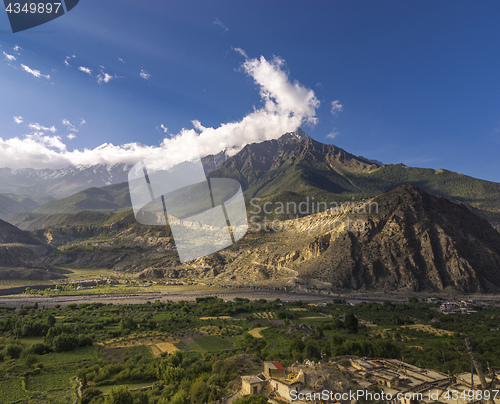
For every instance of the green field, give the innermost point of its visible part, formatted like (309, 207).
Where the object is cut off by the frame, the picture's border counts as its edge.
(47, 352)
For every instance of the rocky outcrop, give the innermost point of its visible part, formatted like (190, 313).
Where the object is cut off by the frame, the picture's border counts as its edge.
(416, 241)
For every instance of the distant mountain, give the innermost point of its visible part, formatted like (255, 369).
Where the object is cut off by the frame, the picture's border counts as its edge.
(107, 199)
(11, 204)
(34, 221)
(296, 168)
(60, 183)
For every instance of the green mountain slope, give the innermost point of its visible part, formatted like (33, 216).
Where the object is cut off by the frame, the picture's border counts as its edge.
(308, 168)
(33, 221)
(11, 204)
(107, 199)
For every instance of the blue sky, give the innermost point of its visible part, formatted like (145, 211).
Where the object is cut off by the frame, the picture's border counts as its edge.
(418, 82)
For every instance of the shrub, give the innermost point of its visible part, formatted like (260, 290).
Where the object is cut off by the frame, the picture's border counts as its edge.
(13, 350)
(39, 348)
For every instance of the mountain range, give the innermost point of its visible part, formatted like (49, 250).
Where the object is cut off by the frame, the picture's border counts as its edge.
(62, 182)
(430, 235)
(292, 168)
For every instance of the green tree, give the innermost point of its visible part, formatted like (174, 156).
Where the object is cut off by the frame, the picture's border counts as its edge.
(13, 350)
(180, 397)
(51, 320)
(89, 394)
(128, 323)
(311, 352)
(199, 391)
(65, 342)
(351, 323)
(297, 345)
(119, 395)
(258, 399)
(169, 373)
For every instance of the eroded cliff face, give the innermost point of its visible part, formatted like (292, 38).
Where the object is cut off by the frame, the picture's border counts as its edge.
(414, 241)
(411, 241)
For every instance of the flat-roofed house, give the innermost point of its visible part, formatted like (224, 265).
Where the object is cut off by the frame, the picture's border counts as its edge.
(252, 385)
(285, 388)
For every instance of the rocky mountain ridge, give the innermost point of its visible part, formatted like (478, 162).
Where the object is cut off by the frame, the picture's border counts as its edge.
(413, 241)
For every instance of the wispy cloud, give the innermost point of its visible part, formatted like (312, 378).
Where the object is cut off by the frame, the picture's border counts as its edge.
(10, 58)
(82, 121)
(144, 74)
(336, 107)
(71, 136)
(17, 49)
(286, 105)
(33, 72)
(101, 76)
(67, 59)
(86, 70)
(104, 78)
(40, 128)
(333, 134)
(241, 52)
(69, 125)
(18, 119)
(121, 60)
(221, 24)
(164, 128)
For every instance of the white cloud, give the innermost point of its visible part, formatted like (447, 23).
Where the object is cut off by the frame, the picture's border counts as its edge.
(104, 78)
(82, 121)
(336, 107)
(40, 128)
(69, 125)
(221, 24)
(18, 119)
(71, 136)
(121, 60)
(85, 70)
(33, 72)
(332, 135)
(241, 52)
(17, 48)
(164, 128)
(10, 58)
(286, 105)
(144, 74)
(68, 58)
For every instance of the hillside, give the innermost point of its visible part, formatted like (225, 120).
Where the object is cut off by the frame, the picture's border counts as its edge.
(20, 255)
(107, 199)
(11, 204)
(415, 241)
(34, 221)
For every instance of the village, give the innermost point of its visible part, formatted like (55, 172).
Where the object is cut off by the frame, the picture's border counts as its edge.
(353, 380)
